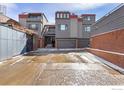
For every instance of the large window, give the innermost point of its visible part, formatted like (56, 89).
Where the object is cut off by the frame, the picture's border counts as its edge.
(67, 15)
(62, 15)
(87, 28)
(63, 27)
(33, 26)
(88, 18)
(57, 15)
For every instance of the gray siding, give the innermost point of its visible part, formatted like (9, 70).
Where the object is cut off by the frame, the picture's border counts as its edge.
(12, 42)
(112, 21)
(84, 33)
(40, 26)
(87, 23)
(59, 33)
(90, 21)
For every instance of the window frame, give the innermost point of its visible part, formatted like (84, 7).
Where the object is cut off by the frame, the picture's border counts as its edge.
(87, 28)
(61, 28)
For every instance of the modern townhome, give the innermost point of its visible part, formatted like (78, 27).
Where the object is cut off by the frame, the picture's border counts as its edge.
(107, 37)
(72, 31)
(34, 21)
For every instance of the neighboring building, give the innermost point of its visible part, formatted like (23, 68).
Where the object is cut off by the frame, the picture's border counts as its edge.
(107, 37)
(72, 31)
(15, 39)
(34, 21)
(2, 9)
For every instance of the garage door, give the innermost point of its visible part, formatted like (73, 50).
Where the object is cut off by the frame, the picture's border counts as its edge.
(66, 43)
(83, 43)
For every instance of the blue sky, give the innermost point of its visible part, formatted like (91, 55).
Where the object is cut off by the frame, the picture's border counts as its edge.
(100, 9)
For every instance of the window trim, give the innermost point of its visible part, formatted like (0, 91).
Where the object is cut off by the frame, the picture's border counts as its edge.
(87, 28)
(66, 27)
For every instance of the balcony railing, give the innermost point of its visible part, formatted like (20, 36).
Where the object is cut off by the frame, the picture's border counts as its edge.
(34, 19)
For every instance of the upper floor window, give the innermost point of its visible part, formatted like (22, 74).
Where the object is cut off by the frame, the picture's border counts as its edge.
(61, 15)
(63, 27)
(33, 26)
(57, 15)
(87, 28)
(67, 15)
(88, 18)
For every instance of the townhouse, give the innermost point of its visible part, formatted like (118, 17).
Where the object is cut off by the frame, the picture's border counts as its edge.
(72, 31)
(34, 21)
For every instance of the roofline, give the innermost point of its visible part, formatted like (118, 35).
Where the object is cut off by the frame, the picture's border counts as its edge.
(28, 31)
(35, 13)
(88, 15)
(45, 16)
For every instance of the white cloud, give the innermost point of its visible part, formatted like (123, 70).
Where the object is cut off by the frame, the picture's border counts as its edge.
(86, 6)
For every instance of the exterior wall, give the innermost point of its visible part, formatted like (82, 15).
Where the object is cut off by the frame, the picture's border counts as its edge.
(91, 21)
(73, 28)
(107, 37)
(22, 21)
(45, 21)
(59, 33)
(80, 32)
(109, 22)
(12, 42)
(112, 41)
(115, 58)
(84, 33)
(40, 26)
(41, 20)
(86, 23)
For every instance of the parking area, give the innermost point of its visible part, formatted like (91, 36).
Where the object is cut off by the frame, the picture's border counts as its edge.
(50, 67)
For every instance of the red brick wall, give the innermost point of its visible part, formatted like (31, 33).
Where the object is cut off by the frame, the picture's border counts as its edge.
(117, 59)
(110, 42)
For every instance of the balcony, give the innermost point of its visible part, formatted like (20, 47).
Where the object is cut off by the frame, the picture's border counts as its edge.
(34, 19)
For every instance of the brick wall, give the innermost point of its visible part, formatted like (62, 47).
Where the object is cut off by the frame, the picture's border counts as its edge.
(109, 46)
(112, 41)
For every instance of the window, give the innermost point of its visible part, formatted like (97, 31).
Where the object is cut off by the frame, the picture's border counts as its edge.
(67, 15)
(64, 15)
(57, 15)
(87, 28)
(33, 26)
(61, 15)
(63, 27)
(87, 18)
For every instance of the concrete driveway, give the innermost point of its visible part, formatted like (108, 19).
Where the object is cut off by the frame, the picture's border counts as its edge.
(49, 67)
